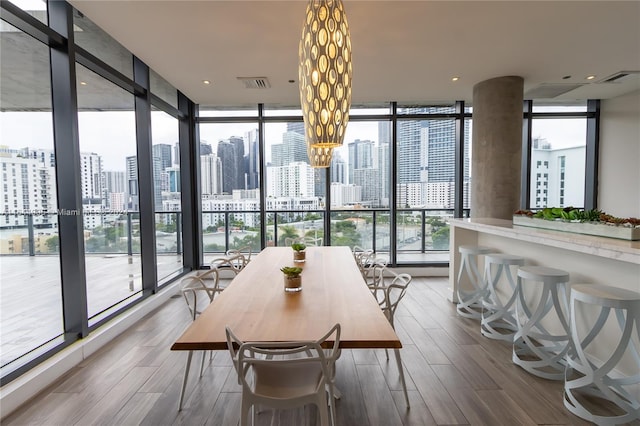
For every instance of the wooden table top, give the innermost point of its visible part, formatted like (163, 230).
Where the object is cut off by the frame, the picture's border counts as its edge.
(257, 308)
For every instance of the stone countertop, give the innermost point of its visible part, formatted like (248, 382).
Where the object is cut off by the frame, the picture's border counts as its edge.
(622, 250)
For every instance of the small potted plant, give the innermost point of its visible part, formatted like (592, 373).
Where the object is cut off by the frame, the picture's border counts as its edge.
(299, 255)
(292, 278)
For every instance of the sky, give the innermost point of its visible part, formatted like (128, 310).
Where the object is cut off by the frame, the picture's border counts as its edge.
(112, 134)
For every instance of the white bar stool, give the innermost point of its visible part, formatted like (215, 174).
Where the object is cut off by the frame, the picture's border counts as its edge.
(471, 286)
(539, 351)
(498, 320)
(586, 376)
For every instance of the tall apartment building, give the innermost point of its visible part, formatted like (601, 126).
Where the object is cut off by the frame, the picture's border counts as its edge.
(345, 194)
(360, 156)
(231, 154)
(557, 175)
(210, 174)
(338, 168)
(293, 180)
(163, 152)
(132, 195)
(113, 189)
(292, 149)
(252, 160)
(28, 187)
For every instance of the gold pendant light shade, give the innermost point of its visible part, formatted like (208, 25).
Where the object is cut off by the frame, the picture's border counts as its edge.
(319, 157)
(324, 74)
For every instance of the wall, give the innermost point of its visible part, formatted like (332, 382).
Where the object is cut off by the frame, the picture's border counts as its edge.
(619, 181)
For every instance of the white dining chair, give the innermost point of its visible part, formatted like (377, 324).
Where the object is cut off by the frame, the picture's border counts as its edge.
(245, 251)
(388, 297)
(194, 288)
(234, 262)
(285, 375)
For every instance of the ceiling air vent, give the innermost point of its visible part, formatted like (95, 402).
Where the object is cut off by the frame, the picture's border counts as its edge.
(255, 82)
(550, 90)
(620, 76)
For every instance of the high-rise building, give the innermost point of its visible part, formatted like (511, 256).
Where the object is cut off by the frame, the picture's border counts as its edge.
(360, 156)
(556, 175)
(91, 173)
(173, 179)
(28, 188)
(238, 143)
(231, 154)
(163, 152)
(205, 148)
(369, 180)
(345, 195)
(252, 160)
(131, 171)
(210, 174)
(338, 168)
(160, 182)
(426, 152)
(293, 180)
(292, 149)
(383, 173)
(113, 182)
(176, 153)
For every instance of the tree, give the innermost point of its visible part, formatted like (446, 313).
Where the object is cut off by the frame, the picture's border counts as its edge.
(53, 244)
(286, 232)
(440, 238)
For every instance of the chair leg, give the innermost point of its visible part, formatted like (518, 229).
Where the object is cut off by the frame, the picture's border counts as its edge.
(331, 398)
(184, 380)
(401, 371)
(204, 356)
(386, 351)
(322, 409)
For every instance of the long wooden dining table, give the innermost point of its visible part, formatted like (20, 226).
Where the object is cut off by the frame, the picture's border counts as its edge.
(256, 307)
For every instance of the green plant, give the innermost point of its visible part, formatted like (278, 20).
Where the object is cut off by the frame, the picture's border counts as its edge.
(291, 271)
(578, 215)
(298, 246)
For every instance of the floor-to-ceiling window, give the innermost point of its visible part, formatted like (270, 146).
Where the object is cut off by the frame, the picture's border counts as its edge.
(31, 319)
(166, 194)
(558, 156)
(360, 183)
(229, 182)
(107, 152)
(71, 246)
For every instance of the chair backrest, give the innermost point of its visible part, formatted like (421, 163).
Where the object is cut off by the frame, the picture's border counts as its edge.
(246, 251)
(246, 351)
(288, 241)
(393, 294)
(234, 263)
(191, 288)
(363, 258)
(312, 242)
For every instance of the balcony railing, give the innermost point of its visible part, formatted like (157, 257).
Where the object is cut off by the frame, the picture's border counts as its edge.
(418, 233)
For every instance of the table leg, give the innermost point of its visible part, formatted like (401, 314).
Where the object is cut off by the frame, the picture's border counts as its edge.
(184, 380)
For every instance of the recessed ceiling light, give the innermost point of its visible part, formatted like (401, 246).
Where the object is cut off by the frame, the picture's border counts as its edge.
(455, 78)
(591, 77)
(83, 83)
(207, 82)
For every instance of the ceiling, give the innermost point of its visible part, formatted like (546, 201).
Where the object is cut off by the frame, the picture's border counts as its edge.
(404, 51)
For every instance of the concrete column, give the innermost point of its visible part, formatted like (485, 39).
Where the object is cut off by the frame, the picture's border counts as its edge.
(497, 147)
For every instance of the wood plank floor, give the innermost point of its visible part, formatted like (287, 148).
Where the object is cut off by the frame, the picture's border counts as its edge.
(454, 376)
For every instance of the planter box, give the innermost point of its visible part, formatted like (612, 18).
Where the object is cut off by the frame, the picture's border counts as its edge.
(588, 228)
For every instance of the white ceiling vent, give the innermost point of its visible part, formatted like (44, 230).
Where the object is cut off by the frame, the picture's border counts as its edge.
(551, 90)
(255, 82)
(621, 77)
